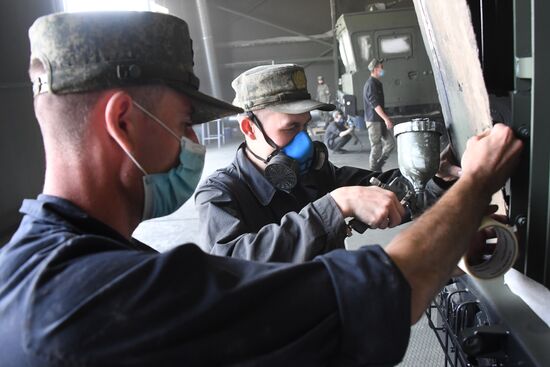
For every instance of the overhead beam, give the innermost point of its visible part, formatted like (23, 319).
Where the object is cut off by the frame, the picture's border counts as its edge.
(273, 25)
(275, 41)
(249, 64)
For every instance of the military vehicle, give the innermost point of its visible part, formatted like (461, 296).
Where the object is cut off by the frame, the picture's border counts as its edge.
(391, 34)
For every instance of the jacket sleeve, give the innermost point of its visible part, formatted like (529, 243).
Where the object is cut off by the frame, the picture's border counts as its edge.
(349, 176)
(353, 176)
(435, 188)
(184, 307)
(318, 228)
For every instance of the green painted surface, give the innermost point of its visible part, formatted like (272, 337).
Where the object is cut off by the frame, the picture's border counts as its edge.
(392, 35)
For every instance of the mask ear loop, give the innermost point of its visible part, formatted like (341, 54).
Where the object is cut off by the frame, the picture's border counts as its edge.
(156, 119)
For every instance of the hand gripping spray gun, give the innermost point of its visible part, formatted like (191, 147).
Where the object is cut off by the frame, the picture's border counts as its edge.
(418, 147)
(418, 156)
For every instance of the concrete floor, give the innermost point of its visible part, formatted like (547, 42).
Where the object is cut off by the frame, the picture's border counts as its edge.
(181, 227)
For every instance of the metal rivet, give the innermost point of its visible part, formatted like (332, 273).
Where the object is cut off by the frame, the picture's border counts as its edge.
(523, 132)
(521, 220)
(134, 71)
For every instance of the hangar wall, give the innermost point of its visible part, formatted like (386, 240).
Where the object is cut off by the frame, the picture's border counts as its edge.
(21, 149)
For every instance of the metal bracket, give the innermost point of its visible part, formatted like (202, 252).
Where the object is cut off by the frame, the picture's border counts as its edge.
(524, 67)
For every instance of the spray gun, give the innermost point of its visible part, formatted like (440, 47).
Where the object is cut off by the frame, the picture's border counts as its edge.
(418, 149)
(418, 155)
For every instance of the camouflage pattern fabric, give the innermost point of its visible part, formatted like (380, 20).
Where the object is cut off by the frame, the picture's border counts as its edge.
(281, 88)
(323, 93)
(91, 51)
(374, 63)
(381, 144)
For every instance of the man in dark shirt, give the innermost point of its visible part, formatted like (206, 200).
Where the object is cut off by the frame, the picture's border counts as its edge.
(338, 133)
(378, 123)
(115, 97)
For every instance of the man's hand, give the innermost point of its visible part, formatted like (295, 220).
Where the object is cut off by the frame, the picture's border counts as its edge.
(484, 243)
(490, 157)
(372, 205)
(448, 169)
(348, 131)
(389, 123)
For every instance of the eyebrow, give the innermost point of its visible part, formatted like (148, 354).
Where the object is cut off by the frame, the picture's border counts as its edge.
(294, 122)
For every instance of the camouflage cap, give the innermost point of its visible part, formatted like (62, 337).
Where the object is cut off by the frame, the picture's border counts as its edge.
(85, 52)
(281, 88)
(374, 63)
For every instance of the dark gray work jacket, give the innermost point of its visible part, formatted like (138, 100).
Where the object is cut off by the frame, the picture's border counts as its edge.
(242, 215)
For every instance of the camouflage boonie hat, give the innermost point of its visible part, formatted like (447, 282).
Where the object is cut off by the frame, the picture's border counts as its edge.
(280, 88)
(374, 63)
(91, 51)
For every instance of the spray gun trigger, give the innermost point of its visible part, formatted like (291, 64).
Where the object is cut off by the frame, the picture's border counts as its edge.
(399, 187)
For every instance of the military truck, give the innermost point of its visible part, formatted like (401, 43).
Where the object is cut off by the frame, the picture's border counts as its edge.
(391, 34)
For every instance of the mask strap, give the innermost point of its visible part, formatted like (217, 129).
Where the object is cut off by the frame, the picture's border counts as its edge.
(149, 114)
(258, 123)
(266, 161)
(271, 143)
(155, 118)
(133, 160)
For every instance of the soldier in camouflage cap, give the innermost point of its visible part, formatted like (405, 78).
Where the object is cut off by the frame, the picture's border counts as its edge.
(249, 209)
(84, 52)
(374, 63)
(270, 96)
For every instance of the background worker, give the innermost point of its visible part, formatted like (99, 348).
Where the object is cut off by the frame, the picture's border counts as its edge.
(281, 199)
(76, 290)
(323, 95)
(338, 133)
(377, 121)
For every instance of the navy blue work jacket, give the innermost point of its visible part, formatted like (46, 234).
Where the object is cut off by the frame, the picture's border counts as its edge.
(73, 292)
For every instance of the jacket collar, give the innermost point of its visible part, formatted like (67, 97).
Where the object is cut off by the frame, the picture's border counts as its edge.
(53, 210)
(253, 177)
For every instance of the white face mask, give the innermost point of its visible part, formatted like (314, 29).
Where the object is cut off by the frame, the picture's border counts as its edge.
(166, 192)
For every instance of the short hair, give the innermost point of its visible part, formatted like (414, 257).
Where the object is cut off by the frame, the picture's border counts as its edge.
(72, 110)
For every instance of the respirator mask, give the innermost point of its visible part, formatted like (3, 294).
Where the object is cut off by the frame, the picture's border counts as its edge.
(285, 164)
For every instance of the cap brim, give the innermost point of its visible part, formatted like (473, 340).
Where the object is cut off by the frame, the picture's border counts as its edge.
(301, 106)
(207, 108)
